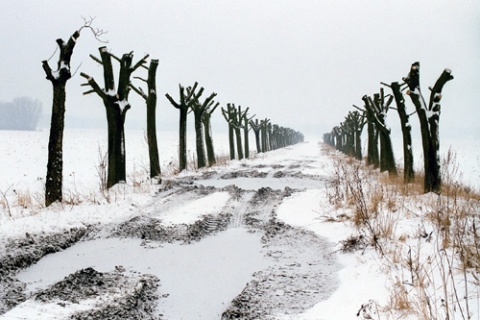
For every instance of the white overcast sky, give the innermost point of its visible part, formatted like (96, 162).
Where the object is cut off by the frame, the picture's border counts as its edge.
(300, 63)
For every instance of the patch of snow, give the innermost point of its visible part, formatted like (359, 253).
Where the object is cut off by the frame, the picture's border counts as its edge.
(122, 104)
(192, 211)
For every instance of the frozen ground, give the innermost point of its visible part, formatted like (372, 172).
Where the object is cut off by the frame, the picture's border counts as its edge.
(257, 239)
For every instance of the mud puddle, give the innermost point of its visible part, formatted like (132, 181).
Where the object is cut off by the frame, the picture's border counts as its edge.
(210, 272)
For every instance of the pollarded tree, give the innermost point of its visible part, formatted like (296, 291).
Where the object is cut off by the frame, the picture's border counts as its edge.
(408, 170)
(116, 106)
(337, 133)
(230, 115)
(264, 131)
(256, 130)
(246, 129)
(356, 121)
(270, 135)
(186, 99)
(429, 117)
(277, 136)
(59, 78)
(379, 107)
(373, 158)
(349, 137)
(235, 118)
(151, 101)
(199, 109)
(329, 139)
(237, 126)
(208, 133)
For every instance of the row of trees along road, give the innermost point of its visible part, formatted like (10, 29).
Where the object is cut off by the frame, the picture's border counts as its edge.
(346, 137)
(267, 136)
(117, 104)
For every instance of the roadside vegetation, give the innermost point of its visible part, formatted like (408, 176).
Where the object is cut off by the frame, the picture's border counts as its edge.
(428, 244)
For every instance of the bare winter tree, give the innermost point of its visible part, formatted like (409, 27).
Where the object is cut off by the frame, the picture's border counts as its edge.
(256, 130)
(237, 125)
(186, 99)
(116, 105)
(199, 110)
(355, 122)
(59, 78)
(408, 170)
(208, 134)
(379, 107)
(429, 117)
(264, 131)
(246, 129)
(151, 101)
(373, 158)
(230, 115)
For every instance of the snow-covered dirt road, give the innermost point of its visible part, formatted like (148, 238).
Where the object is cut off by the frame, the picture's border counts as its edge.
(224, 243)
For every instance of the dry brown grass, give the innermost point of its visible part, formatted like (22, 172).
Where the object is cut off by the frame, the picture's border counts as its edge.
(431, 288)
(222, 160)
(23, 198)
(399, 298)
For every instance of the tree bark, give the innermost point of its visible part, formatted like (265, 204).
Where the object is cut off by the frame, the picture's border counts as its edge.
(53, 184)
(208, 139)
(151, 101)
(245, 135)
(201, 160)
(372, 152)
(238, 136)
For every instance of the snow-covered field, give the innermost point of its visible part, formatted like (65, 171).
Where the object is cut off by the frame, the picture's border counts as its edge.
(197, 247)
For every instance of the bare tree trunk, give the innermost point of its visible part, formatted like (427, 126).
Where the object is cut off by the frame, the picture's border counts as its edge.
(269, 136)
(372, 152)
(238, 136)
(151, 101)
(429, 117)
(155, 171)
(183, 105)
(379, 108)
(245, 134)
(182, 142)
(208, 139)
(59, 78)
(53, 184)
(256, 129)
(408, 170)
(199, 109)
(229, 116)
(116, 146)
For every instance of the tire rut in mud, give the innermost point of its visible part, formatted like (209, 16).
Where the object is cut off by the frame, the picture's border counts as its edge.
(23, 252)
(114, 295)
(302, 271)
(152, 228)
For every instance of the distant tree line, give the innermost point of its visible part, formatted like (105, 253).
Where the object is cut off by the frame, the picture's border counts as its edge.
(115, 97)
(20, 114)
(346, 137)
